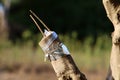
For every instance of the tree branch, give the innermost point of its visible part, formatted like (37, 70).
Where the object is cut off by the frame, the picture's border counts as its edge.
(112, 8)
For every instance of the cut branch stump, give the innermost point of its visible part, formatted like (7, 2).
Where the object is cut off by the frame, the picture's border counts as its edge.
(58, 54)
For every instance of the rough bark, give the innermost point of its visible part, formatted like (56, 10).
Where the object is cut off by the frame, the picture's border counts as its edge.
(63, 64)
(66, 68)
(112, 8)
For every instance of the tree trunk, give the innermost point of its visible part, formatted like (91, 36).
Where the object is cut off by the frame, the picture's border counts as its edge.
(3, 23)
(112, 8)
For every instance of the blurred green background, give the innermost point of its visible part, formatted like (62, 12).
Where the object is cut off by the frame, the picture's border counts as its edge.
(82, 26)
(85, 17)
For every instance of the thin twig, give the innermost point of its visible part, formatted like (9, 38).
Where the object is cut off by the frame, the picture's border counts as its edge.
(37, 25)
(40, 20)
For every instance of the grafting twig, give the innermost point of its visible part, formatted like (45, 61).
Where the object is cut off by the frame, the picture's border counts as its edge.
(37, 25)
(40, 20)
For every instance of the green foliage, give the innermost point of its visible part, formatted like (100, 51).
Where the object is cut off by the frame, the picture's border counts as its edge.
(86, 17)
(26, 34)
(84, 53)
(102, 45)
(14, 2)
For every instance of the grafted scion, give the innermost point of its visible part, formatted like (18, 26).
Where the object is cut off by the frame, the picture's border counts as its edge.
(58, 54)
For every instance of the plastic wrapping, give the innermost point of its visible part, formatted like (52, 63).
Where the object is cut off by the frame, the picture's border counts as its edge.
(52, 47)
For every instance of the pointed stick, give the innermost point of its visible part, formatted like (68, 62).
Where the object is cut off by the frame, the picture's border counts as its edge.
(40, 20)
(37, 25)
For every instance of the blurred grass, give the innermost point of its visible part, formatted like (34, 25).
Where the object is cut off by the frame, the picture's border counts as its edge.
(84, 54)
(88, 56)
